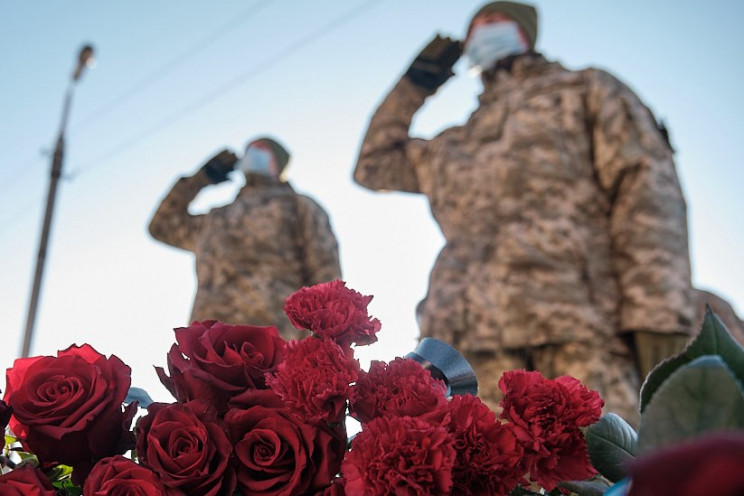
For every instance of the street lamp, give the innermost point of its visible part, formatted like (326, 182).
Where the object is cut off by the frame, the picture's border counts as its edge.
(85, 59)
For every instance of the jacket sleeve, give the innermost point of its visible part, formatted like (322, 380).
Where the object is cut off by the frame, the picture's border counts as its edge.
(385, 159)
(172, 222)
(319, 245)
(648, 217)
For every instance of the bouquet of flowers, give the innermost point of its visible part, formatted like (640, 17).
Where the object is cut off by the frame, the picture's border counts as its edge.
(256, 415)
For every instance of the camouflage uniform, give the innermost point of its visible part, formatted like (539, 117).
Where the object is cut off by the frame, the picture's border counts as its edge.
(564, 222)
(252, 254)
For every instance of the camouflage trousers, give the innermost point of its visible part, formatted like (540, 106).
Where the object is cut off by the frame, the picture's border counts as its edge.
(613, 375)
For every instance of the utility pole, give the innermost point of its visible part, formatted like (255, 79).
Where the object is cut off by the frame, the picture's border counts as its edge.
(85, 59)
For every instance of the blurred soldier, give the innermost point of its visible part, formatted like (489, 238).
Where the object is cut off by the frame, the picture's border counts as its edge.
(565, 226)
(253, 253)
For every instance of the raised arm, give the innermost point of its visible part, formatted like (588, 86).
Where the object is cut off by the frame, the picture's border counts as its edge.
(384, 161)
(172, 223)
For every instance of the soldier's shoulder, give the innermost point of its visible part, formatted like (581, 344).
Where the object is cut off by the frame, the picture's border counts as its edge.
(308, 201)
(599, 77)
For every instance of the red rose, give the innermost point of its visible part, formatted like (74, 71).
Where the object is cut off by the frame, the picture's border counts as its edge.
(119, 476)
(547, 416)
(401, 387)
(277, 454)
(25, 481)
(256, 397)
(399, 455)
(314, 380)
(710, 464)
(488, 457)
(214, 362)
(333, 311)
(5, 412)
(68, 408)
(187, 446)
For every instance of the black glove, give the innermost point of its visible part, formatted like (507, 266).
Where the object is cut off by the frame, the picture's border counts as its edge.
(218, 167)
(433, 66)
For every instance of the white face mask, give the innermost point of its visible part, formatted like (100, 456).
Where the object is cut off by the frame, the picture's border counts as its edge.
(256, 161)
(490, 43)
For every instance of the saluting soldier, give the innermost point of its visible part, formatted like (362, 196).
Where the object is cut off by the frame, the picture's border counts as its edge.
(252, 254)
(565, 226)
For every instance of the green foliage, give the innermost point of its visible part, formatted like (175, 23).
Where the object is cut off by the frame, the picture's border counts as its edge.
(699, 391)
(714, 339)
(58, 473)
(612, 444)
(65, 487)
(26, 456)
(701, 396)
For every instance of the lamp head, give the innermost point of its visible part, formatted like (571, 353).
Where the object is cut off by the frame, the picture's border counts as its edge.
(85, 59)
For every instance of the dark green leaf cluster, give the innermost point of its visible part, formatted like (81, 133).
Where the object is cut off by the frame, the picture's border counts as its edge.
(696, 392)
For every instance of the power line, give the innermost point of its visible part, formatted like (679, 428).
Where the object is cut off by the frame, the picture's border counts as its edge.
(207, 98)
(19, 213)
(23, 170)
(11, 218)
(149, 80)
(226, 87)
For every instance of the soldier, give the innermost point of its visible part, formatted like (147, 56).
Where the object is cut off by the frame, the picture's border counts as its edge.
(564, 222)
(253, 253)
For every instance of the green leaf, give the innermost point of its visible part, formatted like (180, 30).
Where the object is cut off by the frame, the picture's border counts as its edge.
(612, 443)
(702, 396)
(67, 488)
(714, 339)
(25, 455)
(586, 488)
(58, 472)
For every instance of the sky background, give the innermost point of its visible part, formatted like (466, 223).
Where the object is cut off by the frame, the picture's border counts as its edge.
(175, 82)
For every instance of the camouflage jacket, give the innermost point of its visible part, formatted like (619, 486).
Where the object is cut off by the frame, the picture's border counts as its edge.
(559, 203)
(250, 254)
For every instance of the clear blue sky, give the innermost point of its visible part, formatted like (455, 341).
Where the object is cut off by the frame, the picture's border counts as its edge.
(176, 82)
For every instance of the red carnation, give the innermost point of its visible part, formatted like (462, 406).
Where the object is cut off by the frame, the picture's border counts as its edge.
(214, 362)
(314, 380)
(333, 311)
(187, 446)
(68, 409)
(547, 416)
(276, 454)
(119, 476)
(488, 457)
(399, 455)
(401, 387)
(25, 481)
